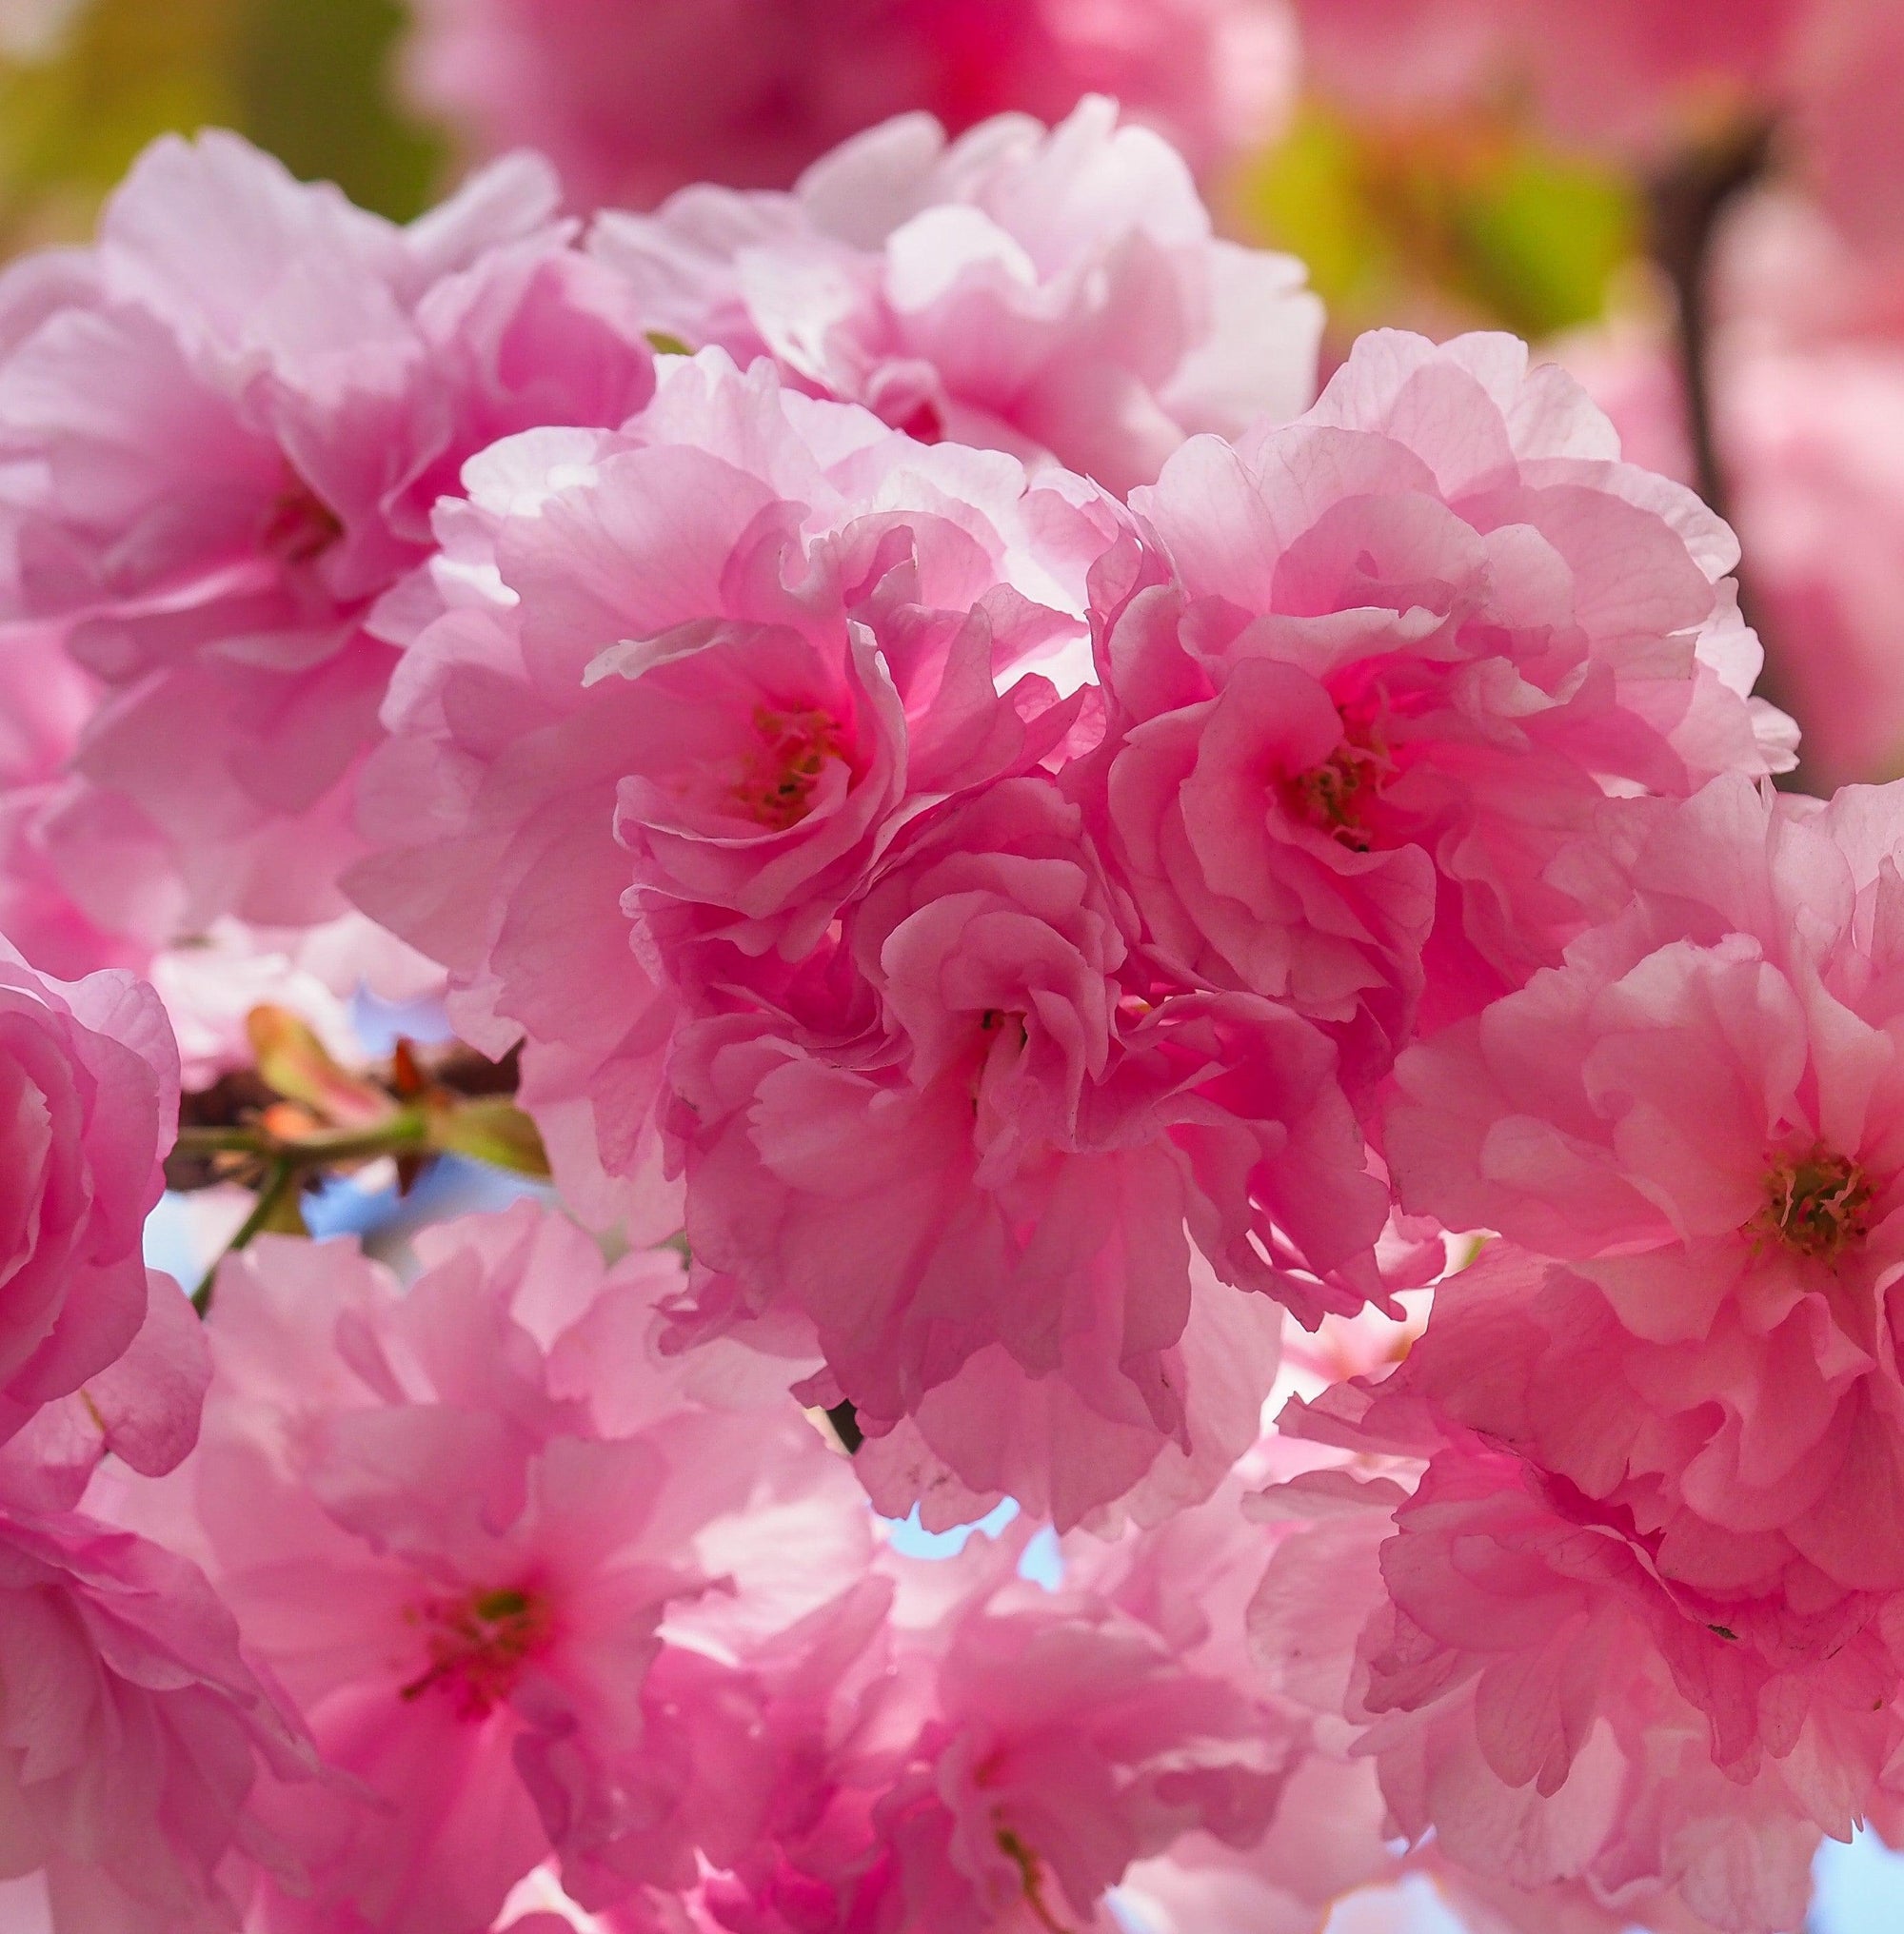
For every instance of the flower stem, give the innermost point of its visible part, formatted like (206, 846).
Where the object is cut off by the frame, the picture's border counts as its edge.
(281, 1187)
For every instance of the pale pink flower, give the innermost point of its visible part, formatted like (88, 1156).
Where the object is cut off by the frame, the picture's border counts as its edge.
(222, 430)
(88, 1104)
(466, 1526)
(691, 680)
(634, 99)
(983, 1165)
(1698, 1116)
(1052, 293)
(133, 1735)
(1371, 676)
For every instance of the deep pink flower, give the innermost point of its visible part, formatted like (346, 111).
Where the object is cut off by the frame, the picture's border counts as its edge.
(88, 1102)
(1378, 669)
(221, 442)
(691, 682)
(1048, 293)
(985, 1172)
(468, 1528)
(636, 98)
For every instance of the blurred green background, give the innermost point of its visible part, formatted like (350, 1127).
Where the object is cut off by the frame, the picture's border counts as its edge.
(310, 79)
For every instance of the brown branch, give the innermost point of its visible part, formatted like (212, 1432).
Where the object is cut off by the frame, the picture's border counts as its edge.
(1689, 204)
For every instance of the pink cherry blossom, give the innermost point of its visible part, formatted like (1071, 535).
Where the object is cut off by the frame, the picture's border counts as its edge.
(984, 1174)
(636, 100)
(1509, 1686)
(1696, 1117)
(956, 1751)
(1371, 676)
(1053, 293)
(470, 1530)
(133, 1735)
(691, 682)
(1076, 1447)
(222, 441)
(88, 1097)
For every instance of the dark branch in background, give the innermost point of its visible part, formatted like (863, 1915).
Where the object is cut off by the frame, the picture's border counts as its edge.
(1689, 202)
(244, 1101)
(296, 1116)
(845, 1422)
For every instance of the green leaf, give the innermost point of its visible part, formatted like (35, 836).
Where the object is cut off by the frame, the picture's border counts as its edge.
(490, 1129)
(283, 1213)
(1466, 219)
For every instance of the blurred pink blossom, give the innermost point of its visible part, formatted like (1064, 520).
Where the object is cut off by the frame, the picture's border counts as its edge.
(634, 99)
(1634, 74)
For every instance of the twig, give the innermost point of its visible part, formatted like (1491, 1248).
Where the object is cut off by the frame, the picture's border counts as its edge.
(283, 1183)
(399, 1134)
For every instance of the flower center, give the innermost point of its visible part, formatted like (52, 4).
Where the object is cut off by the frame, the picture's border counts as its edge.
(777, 781)
(299, 528)
(1815, 1204)
(477, 1646)
(1337, 796)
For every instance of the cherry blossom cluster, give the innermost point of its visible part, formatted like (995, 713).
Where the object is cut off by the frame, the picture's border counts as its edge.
(1018, 859)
